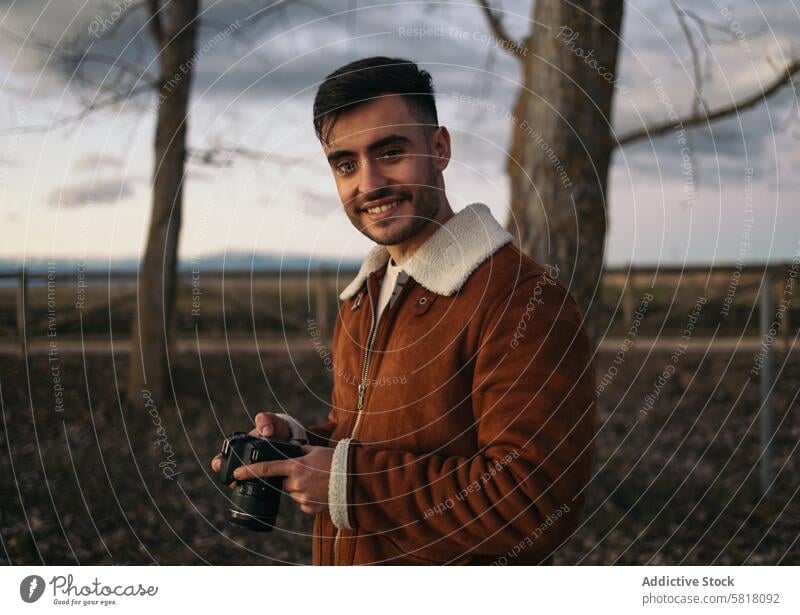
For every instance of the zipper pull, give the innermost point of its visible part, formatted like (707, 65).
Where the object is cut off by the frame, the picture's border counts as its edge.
(361, 390)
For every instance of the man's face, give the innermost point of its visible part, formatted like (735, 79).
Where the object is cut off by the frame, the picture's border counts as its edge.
(387, 165)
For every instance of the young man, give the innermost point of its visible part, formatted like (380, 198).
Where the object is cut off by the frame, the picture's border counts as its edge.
(462, 411)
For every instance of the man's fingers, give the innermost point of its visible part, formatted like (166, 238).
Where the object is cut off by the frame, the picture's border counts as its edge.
(308, 506)
(216, 463)
(290, 485)
(264, 469)
(265, 424)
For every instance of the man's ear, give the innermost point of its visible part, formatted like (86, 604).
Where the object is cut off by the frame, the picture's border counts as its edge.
(440, 148)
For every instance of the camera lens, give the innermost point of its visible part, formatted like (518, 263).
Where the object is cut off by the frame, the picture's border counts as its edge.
(254, 504)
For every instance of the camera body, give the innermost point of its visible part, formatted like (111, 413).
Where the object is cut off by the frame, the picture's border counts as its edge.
(254, 502)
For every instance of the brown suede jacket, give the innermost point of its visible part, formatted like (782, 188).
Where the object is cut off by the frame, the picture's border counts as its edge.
(464, 422)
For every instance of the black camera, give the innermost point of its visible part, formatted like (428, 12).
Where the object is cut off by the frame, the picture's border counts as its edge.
(255, 502)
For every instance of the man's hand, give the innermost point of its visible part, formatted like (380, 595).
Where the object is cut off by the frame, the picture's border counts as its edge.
(268, 425)
(306, 477)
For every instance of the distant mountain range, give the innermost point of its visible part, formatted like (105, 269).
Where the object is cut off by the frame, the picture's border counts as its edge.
(235, 261)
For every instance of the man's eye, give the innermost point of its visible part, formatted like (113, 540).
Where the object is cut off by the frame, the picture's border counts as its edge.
(392, 153)
(345, 168)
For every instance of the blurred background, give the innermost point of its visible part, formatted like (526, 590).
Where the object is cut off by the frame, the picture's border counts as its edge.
(163, 197)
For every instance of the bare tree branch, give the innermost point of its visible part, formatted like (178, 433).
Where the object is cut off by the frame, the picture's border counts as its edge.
(110, 29)
(222, 156)
(119, 64)
(730, 39)
(76, 117)
(783, 78)
(76, 56)
(793, 115)
(700, 75)
(498, 29)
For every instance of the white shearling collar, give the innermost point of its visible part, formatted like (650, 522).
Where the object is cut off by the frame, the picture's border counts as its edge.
(447, 258)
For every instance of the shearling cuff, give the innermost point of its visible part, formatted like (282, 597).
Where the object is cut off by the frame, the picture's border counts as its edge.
(337, 486)
(296, 429)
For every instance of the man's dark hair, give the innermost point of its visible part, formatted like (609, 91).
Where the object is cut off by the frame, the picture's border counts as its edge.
(364, 80)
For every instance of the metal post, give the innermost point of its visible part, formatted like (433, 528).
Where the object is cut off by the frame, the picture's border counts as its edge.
(766, 422)
(22, 304)
(321, 301)
(786, 325)
(628, 298)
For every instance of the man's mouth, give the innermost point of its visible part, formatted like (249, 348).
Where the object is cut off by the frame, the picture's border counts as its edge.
(384, 209)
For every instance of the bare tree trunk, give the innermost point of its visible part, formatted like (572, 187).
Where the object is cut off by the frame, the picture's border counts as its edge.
(561, 146)
(173, 29)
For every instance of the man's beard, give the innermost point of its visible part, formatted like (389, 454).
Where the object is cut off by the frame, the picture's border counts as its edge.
(426, 206)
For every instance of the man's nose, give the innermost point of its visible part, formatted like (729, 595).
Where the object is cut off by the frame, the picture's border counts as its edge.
(371, 177)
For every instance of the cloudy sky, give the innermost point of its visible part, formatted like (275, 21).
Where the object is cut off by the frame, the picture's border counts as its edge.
(82, 189)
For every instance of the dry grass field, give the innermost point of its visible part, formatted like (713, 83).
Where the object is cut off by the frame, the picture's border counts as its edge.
(84, 482)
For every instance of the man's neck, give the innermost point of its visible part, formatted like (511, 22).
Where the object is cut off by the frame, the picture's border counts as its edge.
(402, 251)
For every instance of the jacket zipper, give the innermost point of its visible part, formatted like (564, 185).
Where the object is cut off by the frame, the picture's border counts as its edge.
(362, 389)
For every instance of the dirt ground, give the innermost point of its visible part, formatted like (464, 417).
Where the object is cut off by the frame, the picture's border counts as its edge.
(84, 481)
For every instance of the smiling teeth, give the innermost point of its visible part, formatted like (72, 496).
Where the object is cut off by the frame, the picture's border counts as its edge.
(382, 208)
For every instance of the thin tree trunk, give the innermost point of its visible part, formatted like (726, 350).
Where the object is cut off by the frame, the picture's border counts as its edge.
(174, 30)
(561, 146)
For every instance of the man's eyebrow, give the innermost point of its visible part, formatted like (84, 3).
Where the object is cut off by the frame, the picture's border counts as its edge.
(394, 139)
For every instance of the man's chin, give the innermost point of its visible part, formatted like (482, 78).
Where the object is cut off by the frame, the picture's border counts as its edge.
(393, 233)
